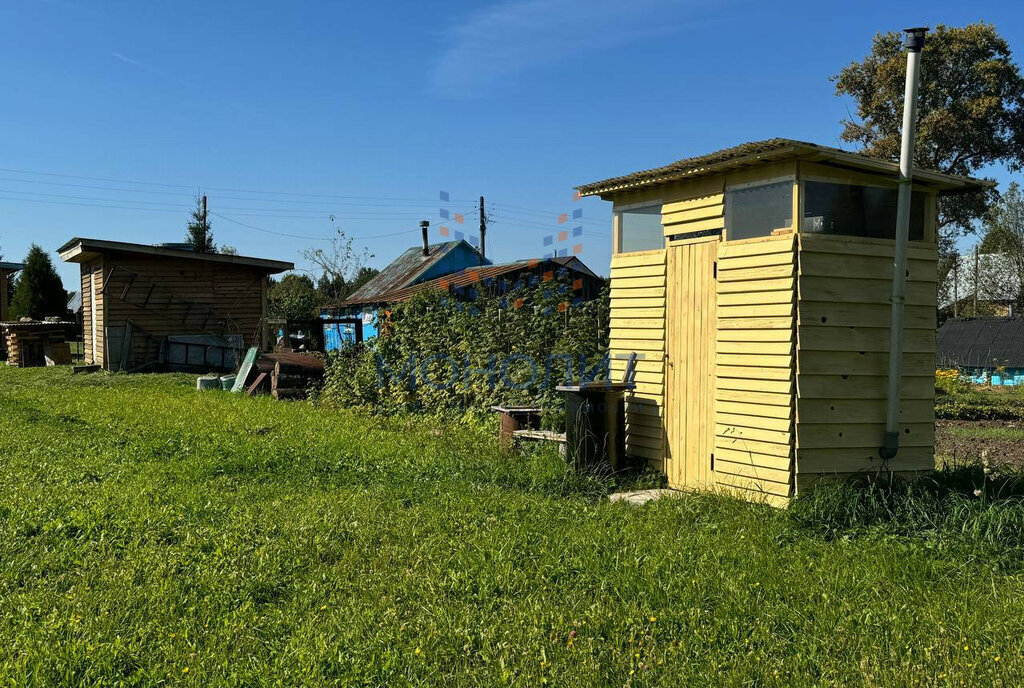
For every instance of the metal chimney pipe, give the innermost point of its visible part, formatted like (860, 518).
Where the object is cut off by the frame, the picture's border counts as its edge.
(425, 226)
(914, 43)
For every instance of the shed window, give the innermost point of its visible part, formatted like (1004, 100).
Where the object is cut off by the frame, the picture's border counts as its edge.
(756, 211)
(640, 229)
(866, 211)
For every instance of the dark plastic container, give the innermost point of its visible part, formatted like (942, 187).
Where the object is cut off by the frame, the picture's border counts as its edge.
(595, 425)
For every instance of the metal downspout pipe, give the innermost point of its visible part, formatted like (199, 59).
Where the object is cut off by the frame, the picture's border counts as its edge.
(914, 43)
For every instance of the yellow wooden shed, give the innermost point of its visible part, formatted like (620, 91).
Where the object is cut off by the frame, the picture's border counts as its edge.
(754, 284)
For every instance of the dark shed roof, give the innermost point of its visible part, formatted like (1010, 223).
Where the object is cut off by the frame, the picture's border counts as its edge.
(79, 250)
(981, 342)
(772, 150)
(404, 270)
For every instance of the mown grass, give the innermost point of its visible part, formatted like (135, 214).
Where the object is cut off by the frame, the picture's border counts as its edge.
(151, 534)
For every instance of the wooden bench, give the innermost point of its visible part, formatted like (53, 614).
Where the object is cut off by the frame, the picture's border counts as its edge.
(542, 436)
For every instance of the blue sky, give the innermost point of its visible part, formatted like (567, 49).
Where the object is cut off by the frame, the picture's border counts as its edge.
(115, 113)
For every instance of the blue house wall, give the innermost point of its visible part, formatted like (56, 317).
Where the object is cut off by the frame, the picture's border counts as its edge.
(338, 335)
(459, 258)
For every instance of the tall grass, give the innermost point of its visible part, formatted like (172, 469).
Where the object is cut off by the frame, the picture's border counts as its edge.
(970, 509)
(153, 535)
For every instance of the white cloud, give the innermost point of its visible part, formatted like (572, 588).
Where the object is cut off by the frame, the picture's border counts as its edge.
(513, 36)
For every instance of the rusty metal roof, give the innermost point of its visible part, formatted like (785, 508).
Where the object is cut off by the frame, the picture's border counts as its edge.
(772, 150)
(476, 275)
(402, 272)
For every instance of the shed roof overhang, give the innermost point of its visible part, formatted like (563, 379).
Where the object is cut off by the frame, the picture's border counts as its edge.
(759, 153)
(10, 267)
(79, 250)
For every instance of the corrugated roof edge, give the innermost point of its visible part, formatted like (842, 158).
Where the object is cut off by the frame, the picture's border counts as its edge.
(79, 245)
(770, 150)
(470, 276)
(406, 268)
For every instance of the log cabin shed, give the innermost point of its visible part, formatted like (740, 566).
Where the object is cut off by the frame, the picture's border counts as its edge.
(754, 283)
(136, 298)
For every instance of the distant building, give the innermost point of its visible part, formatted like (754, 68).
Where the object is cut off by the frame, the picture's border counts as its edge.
(993, 283)
(984, 348)
(415, 265)
(146, 306)
(454, 267)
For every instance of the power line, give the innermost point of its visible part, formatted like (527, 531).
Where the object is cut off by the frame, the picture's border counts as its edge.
(260, 212)
(302, 236)
(268, 231)
(179, 194)
(89, 205)
(219, 188)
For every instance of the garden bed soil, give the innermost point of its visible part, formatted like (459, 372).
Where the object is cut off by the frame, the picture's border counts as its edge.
(964, 441)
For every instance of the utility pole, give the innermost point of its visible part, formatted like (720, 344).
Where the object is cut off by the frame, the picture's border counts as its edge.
(976, 276)
(483, 229)
(956, 285)
(206, 225)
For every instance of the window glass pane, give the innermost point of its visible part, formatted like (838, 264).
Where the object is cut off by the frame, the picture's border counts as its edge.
(867, 211)
(640, 229)
(756, 211)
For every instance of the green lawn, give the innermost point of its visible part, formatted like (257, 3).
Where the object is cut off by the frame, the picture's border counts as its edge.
(151, 534)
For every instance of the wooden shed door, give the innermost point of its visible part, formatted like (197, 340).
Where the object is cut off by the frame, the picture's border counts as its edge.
(690, 361)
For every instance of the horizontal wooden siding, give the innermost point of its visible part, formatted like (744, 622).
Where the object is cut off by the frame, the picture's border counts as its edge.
(638, 325)
(754, 367)
(842, 364)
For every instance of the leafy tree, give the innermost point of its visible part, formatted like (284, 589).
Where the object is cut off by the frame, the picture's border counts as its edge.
(39, 292)
(339, 263)
(293, 297)
(364, 275)
(227, 250)
(970, 110)
(1004, 235)
(199, 234)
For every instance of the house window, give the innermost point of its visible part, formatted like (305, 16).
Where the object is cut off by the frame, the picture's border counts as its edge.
(758, 210)
(866, 211)
(640, 229)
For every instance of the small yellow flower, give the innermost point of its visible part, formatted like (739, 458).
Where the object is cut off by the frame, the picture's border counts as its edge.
(323, 607)
(966, 648)
(653, 619)
(996, 658)
(417, 650)
(185, 670)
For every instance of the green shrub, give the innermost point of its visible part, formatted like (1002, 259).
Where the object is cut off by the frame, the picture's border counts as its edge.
(965, 402)
(511, 348)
